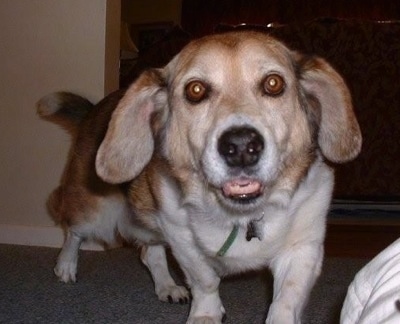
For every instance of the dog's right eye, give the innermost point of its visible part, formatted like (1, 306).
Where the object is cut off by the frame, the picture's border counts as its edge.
(273, 84)
(196, 91)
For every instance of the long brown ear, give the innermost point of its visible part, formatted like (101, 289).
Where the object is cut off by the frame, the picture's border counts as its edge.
(129, 142)
(339, 135)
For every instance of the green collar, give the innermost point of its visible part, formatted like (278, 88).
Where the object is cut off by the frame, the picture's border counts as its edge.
(229, 241)
(252, 231)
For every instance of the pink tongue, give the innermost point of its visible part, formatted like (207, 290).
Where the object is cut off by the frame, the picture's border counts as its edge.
(241, 187)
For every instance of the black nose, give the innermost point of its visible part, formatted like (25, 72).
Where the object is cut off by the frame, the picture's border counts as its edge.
(241, 146)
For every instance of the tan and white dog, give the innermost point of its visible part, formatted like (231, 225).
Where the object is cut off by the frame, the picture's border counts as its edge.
(220, 156)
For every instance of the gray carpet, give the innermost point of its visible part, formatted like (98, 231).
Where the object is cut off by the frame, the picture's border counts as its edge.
(114, 287)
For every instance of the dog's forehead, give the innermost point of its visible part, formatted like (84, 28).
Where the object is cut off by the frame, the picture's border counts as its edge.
(247, 50)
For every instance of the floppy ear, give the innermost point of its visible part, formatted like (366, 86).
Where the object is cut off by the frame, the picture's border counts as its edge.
(129, 142)
(339, 136)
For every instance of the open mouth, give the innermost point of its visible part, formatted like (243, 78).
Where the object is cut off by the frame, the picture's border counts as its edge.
(242, 190)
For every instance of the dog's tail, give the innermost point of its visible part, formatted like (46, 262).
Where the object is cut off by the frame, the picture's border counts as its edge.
(64, 109)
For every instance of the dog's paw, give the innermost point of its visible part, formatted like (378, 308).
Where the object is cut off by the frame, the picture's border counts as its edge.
(66, 271)
(279, 313)
(173, 294)
(206, 320)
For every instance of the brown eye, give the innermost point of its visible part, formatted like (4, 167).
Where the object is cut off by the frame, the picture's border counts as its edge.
(273, 84)
(196, 91)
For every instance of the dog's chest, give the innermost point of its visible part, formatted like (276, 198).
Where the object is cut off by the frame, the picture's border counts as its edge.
(240, 246)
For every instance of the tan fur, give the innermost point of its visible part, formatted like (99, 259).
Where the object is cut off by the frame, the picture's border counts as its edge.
(152, 166)
(80, 186)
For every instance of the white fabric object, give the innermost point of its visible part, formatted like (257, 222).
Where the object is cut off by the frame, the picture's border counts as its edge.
(374, 295)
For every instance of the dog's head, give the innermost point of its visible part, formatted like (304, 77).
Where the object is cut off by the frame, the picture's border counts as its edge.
(240, 110)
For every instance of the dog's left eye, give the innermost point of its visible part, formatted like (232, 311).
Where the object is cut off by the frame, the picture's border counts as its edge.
(273, 84)
(196, 91)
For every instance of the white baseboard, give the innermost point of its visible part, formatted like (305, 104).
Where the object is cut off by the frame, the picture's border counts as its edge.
(47, 236)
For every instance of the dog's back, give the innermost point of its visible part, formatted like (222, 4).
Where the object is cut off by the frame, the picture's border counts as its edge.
(90, 208)
(87, 125)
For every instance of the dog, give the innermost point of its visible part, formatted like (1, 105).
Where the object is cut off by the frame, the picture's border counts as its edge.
(222, 156)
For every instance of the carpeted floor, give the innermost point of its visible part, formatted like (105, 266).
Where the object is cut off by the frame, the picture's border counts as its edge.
(114, 287)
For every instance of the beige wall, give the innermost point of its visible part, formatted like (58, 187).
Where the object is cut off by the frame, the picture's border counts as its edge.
(47, 45)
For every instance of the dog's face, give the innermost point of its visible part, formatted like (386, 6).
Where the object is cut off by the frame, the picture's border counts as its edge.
(240, 111)
(237, 115)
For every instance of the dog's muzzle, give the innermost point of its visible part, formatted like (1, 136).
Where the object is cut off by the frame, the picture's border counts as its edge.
(241, 149)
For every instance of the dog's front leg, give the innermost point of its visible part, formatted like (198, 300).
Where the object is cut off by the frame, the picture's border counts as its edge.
(295, 272)
(206, 307)
(154, 257)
